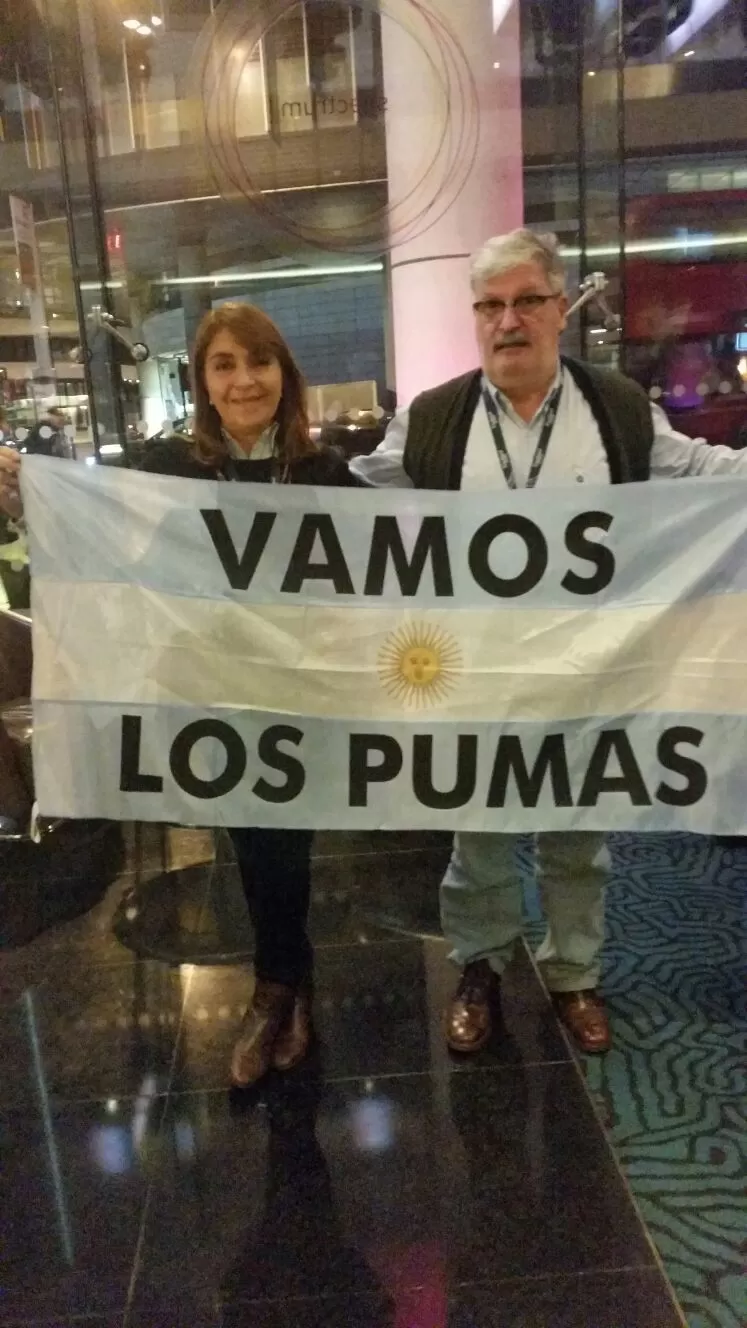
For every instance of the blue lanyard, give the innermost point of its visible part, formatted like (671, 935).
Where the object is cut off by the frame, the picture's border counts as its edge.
(538, 460)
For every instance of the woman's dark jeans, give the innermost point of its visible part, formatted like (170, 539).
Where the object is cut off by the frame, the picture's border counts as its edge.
(275, 868)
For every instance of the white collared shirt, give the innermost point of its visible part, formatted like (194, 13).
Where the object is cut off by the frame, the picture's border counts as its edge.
(263, 449)
(575, 453)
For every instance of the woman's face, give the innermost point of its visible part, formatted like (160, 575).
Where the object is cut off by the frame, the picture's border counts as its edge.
(244, 387)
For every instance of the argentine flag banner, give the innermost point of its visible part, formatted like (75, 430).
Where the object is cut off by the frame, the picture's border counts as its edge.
(236, 654)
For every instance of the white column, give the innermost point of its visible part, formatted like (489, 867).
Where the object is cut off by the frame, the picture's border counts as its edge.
(431, 306)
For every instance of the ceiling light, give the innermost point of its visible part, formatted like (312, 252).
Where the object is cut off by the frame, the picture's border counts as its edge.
(592, 73)
(132, 23)
(272, 274)
(156, 22)
(688, 53)
(144, 30)
(663, 246)
(496, 64)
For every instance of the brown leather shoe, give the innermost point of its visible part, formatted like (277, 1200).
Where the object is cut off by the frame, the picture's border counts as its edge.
(293, 1040)
(271, 1005)
(469, 1018)
(584, 1016)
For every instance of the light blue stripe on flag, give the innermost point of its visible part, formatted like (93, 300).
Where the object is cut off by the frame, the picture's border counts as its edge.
(672, 542)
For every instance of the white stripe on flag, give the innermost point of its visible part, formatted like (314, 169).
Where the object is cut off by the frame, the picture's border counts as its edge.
(528, 664)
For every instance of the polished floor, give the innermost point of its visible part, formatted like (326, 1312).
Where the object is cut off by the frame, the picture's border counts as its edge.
(385, 1186)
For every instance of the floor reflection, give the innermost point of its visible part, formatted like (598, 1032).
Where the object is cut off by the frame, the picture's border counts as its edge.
(299, 1248)
(383, 1185)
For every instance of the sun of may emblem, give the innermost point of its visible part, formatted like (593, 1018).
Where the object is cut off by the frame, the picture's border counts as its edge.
(419, 664)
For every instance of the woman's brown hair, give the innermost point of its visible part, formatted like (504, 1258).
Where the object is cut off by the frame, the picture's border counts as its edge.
(258, 334)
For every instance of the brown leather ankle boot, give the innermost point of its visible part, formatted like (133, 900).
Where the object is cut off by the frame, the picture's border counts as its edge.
(293, 1041)
(271, 1005)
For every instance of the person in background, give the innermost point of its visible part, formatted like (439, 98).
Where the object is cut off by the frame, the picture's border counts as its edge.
(14, 572)
(251, 426)
(530, 417)
(47, 437)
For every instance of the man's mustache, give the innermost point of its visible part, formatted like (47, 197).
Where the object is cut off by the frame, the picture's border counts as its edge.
(510, 339)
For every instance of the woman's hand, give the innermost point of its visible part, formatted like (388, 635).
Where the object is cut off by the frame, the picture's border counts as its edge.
(10, 472)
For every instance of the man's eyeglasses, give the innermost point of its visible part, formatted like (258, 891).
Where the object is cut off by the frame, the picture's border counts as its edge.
(524, 306)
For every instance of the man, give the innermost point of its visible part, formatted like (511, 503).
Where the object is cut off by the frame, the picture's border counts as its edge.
(530, 417)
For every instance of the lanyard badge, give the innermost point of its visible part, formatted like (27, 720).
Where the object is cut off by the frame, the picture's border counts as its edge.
(540, 452)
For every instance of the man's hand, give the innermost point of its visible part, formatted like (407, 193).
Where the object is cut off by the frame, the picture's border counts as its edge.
(10, 472)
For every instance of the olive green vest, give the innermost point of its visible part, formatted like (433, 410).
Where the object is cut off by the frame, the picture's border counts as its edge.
(440, 422)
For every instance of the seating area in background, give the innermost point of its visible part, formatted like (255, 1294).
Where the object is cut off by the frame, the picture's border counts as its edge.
(16, 778)
(50, 872)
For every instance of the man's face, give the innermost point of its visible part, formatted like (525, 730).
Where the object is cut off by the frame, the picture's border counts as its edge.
(519, 347)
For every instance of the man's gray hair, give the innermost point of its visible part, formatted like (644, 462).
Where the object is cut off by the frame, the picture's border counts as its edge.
(503, 252)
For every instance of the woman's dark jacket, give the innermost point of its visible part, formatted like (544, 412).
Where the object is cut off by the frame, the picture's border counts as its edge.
(173, 456)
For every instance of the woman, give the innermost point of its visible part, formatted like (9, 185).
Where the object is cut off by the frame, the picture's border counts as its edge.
(251, 425)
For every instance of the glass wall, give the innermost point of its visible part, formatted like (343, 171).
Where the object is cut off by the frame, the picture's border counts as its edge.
(635, 113)
(335, 163)
(208, 157)
(38, 316)
(686, 215)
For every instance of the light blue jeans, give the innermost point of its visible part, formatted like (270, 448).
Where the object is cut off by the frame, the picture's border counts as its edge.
(482, 904)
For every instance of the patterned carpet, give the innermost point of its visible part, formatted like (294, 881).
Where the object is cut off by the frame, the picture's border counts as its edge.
(674, 1089)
